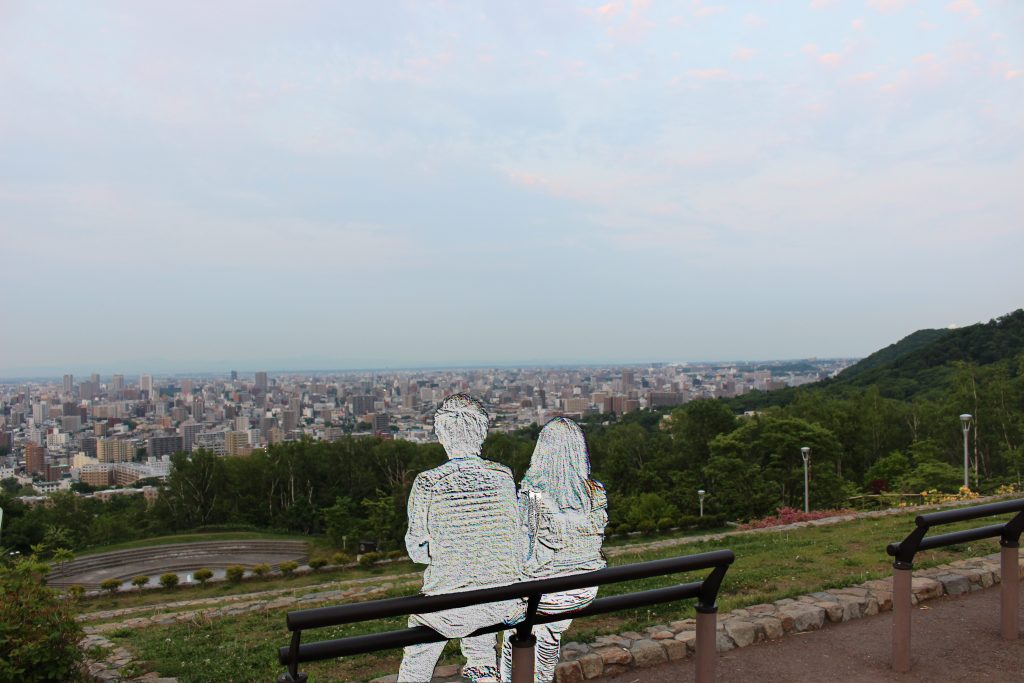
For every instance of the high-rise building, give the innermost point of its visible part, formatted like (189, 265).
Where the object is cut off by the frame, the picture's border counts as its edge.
(237, 443)
(160, 446)
(261, 382)
(95, 378)
(40, 412)
(35, 458)
(362, 404)
(115, 450)
(69, 384)
(186, 387)
(117, 383)
(189, 430)
(381, 422)
(241, 423)
(146, 385)
(234, 375)
(289, 420)
(628, 377)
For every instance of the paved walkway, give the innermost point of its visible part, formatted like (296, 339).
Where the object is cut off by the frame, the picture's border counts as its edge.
(953, 639)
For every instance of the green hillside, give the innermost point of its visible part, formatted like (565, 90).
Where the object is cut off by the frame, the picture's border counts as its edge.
(919, 365)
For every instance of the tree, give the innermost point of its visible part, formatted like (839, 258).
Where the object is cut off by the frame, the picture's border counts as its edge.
(317, 564)
(234, 573)
(261, 570)
(61, 556)
(202, 575)
(39, 634)
(168, 580)
(287, 568)
(696, 424)
(140, 581)
(110, 585)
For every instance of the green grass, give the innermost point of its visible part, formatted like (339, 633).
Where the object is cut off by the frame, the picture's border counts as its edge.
(769, 566)
(192, 538)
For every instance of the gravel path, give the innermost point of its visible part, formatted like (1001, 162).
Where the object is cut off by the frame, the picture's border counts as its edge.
(953, 639)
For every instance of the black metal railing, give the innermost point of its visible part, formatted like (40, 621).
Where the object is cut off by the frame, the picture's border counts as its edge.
(706, 592)
(904, 551)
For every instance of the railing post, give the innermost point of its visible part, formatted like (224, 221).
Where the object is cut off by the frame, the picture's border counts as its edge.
(1009, 608)
(902, 576)
(523, 657)
(707, 651)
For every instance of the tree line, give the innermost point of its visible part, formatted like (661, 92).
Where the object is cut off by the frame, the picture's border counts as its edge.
(651, 462)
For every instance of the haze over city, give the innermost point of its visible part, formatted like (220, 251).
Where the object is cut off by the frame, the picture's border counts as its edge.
(195, 187)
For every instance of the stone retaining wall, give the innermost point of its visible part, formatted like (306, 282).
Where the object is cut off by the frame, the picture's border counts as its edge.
(609, 655)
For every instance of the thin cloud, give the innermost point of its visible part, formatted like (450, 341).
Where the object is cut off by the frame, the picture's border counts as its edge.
(743, 54)
(708, 74)
(964, 7)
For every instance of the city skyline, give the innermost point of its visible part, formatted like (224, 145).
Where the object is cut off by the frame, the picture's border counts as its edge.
(397, 185)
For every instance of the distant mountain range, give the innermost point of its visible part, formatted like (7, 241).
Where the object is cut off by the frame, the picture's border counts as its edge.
(918, 364)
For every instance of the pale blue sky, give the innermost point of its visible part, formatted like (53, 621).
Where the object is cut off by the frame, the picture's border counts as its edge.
(310, 184)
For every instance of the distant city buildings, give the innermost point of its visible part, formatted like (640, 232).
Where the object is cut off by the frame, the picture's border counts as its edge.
(118, 432)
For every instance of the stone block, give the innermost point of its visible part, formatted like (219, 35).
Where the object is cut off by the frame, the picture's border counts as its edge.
(614, 655)
(684, 625)
(390, 678)
(592, 665)
(648, 653)
(743, 633)
(872, 608)
(851, 607)
(674, 649)
(723, 643)
(954, 584)
(924, 588)
(446, 671)
(568, 672)
(833, 610)
(689, 639)
(801, 617)
(662, 635)
(619, 641)
(771, 626)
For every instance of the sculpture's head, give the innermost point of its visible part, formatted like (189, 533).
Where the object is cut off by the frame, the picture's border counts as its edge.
(461, 425)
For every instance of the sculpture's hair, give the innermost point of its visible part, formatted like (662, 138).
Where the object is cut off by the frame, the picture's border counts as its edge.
(560, 466)
(461, 423)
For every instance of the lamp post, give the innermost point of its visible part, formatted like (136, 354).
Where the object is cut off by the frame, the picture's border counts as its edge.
(1, 521)
(805, 453)
(965, 423)
(700, 494)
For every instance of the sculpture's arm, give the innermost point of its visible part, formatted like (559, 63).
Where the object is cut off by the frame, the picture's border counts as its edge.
(417, 540)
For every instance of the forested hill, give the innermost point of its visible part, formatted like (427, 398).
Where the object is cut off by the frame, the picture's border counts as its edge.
(919, 365)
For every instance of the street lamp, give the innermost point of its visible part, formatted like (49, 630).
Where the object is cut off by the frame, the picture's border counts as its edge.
(965, 423)
(805, 453)
(700, 494)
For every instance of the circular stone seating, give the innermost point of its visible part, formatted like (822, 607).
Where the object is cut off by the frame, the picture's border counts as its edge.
(91, 570)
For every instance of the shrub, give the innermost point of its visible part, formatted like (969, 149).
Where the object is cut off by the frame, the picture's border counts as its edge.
(202, 575)
(261, 570)
(368, 559)
(646, 527)
(76, 591)
(235, 573)
(624, 529)
(395, 554)
(38, 631)
(687, 521)
(110, 585)
(168, 580)
(712, 521)
(318, 564)
(288, 567)
(665, 523)
(140, 581)
(341, 558)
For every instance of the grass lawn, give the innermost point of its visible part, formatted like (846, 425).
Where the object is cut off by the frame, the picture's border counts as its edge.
(769, 566)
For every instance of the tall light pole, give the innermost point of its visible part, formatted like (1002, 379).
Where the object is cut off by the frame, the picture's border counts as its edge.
(805, 453)
(1, 521)
(700, 494)
(965, 423)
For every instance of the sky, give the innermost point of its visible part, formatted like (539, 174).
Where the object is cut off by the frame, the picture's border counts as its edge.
(198, 186)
